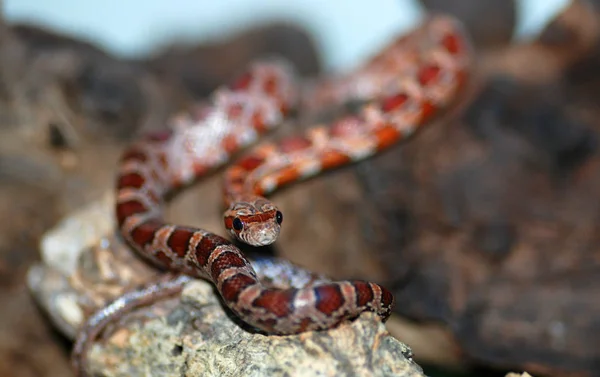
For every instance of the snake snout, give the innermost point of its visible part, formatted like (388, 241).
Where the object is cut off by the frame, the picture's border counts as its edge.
(263, 234)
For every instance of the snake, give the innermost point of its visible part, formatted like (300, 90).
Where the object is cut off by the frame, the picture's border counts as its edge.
(399, 90)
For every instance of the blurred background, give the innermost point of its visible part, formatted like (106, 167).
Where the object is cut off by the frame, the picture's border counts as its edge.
(345, 32)
(485, 225)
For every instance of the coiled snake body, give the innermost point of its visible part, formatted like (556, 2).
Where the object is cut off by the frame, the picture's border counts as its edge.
(402, 87)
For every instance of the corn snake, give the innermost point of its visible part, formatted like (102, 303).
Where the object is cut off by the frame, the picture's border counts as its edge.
(402, 88)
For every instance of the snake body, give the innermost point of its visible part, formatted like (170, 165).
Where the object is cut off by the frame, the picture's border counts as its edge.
(401, 89)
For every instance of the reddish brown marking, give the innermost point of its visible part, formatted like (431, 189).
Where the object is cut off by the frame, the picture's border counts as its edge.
(234, 111)
(129, 208)
(143, 234)
(179, 241)
(270, 85)
(428, 74)
(230, 144)
(200, 169)
(258, 122)
(452, 43)
(250, 162)
(386, 136)
(134, 154)
(228, 221)
(350, 125)
(243, 82)
(234, 285)
(293, 144)
(278, 302)
(329, 298)
(260, 217)
(207, 245)
(387, 300)
(163, 258)
(225, 260)
(286, 175)
(393, 102)
(332, 158)
(131, 180)
(428, 109)
(364, 293)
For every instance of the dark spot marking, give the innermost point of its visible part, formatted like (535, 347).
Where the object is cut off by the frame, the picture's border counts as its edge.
(258, 121)
(206, 246)
(387, 302)
(130, 180)
(231, 288)
(225, 260)
(452, 44)
(428, 74)
(278, 302)
(364, 293)
(393, 102)
(143, 234)
(126, 209)
(329, 298)
(250, 162)
(179, 241)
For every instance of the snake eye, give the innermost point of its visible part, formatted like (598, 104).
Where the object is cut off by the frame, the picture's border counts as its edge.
(279, 217)
(237, 224)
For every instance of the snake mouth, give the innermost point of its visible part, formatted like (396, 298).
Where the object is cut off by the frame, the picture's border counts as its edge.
(260, 234)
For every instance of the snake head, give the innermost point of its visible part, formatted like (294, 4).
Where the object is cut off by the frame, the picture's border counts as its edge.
(256, 222)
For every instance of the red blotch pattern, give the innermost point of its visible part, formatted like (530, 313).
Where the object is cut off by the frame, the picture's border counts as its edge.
(393, 102)
(452, 43)
(428, 73)
(143, 234)
(179, 241)
(329, 298)
(225, 260)
(250, 162)
(294, 144)
(364, 293)
(131, 180)
(231, 288)
(277, 302)
(207, 245)
(129, 208)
